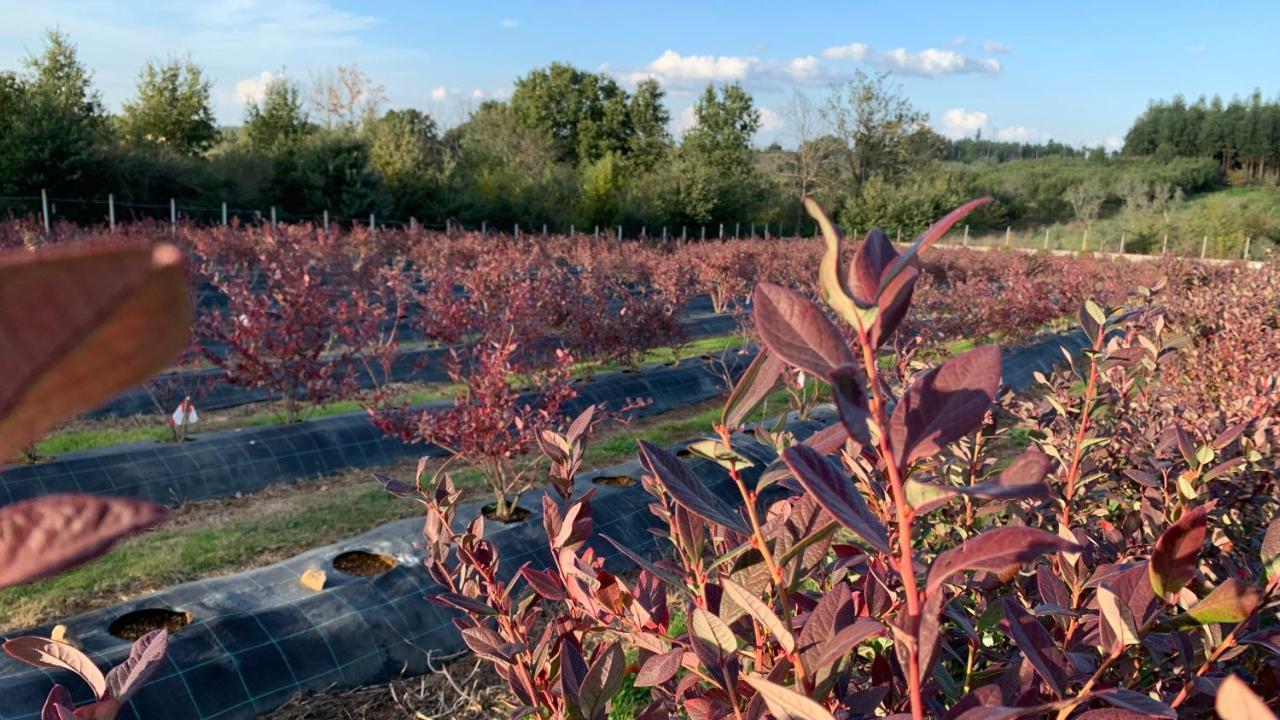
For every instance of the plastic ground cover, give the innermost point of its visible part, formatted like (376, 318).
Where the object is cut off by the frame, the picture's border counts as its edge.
(259, 637)
(219, 464)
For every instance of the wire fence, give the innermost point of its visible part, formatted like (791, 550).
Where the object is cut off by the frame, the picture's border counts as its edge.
(82, 211)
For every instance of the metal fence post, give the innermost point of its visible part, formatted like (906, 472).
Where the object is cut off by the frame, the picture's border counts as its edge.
(572, 232)
(273, 217)
(516, 232)
(1007, 232)
(664, 233)
(173, 216)
(544, 229)
(1084, 239)
(484, 228)
(966, 235)
(736, 230)
(224, 214)
(721, 231)
(704, 232)
(619, 233)
(1122, 239)
(44, 209)
(111, 211)
(373, 223)
(1247, 239)
(1204, 246)
(684, 233)
(1164, 248)
(753, 229)
(326, 222)
(1046, 238)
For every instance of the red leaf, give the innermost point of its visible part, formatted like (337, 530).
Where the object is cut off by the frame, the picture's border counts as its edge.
(929, 237)
(602, 682)
(81, 323)
(1237, 702)
(836, 493)
(46, 653)
(1173, 559)
(47, 535)
(849, 390)
(58, 704)
(145, 658)
(798, 331)
(944, 404)
(994, 551)
(753, 387)
(1037, 645)
(844, 641)
(687, 489)
(659, 668)
(1022, 480)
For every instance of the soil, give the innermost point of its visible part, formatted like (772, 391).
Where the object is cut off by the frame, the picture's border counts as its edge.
(364, 564)
(140, 622)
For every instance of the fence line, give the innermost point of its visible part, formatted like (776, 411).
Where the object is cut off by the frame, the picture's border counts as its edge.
(48, 211)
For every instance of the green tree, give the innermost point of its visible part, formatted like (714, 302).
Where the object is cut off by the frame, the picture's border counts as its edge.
(405, 149)
(722, 183)
(882, 132)
(650, 140)
(53, 124)
(334, 173)
(172, 108)
(584, 113)
(278, 123)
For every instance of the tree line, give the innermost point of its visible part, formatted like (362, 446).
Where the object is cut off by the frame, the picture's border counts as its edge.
(1242, 136)
(569, 147)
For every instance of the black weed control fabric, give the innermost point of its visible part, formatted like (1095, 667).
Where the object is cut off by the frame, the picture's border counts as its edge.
(257, 638)
(220, 464)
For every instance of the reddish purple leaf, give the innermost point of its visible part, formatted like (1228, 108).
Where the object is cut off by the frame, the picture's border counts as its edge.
(488, 644)
(929, 237)
(843, 642)
(1173, 559)
(58, 704)
(753, 387)
(834, 610)
(688, 490)
(870, 261)
(47, 535)
(849, 390)
(995, 551)
(1137, 702)
(1236, 701)
(944, 404)
(45, 653)
(145, 658)
(836, 493)
(1037, 646)
(1022, 480)
(659, 668)
(544, 582)
(573, 669)
(1114, 714)
(798, 331)
(603, 681)
(895, 300)
(461, 602)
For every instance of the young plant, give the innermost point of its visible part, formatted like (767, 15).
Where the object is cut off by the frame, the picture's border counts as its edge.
(111, 691)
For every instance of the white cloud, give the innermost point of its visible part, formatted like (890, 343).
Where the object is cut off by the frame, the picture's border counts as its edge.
(439, 93)
(856, 52)
(672, 67)
(1114, 144)
(1020, 134)
(770, 121)
(253, 89)
(957, 41)
(685, 121)
(991, 47)
(478, 94)
(804, 68)
(932, 62)
(508, 23)
(960, 123)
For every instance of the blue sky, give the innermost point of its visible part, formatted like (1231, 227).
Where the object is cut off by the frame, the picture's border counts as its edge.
(1076, 72)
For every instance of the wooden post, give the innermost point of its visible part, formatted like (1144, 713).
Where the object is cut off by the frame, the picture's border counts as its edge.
(326, 222)
(1122, 239)
(111, 210)
(899, 236)
(597, 232)
(684, 233)
(173, 216)
(704, 232)
(373, 222)
(664, 233)
(1204, 246)
(1246, 246)
(44, 210)
(484, 228)
(619, 233)
(1046, 238)
(572, 232)
(544, 229)
(516, 232)
(1084, 239)
(736, 234)
(966, 235)
(721, 231)
(1007, 232)
(224, 214)
(1164, 248)
(753, 229)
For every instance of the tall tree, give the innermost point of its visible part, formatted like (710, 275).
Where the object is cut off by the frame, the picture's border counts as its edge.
(809, 168)
(405, 149)
(650, 139)
(877, 124)
(53, 123)
(585, 113)
(278, 123)
(172, 108)
(718, 151)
